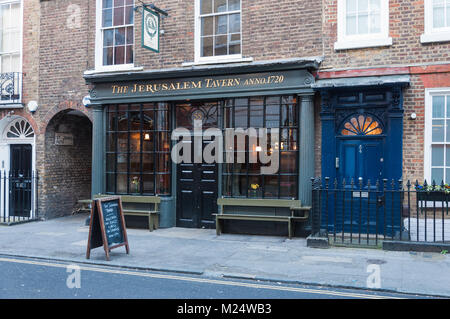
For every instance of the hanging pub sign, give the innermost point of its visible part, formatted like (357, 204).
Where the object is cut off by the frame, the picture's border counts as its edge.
(107, 226)
(150, 29)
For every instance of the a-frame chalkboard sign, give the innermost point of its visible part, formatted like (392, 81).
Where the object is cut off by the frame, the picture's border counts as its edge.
(107, 225)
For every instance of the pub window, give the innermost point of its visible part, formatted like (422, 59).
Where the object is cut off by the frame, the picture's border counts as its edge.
(218, 29)
(245, 179)
(116, 33)
(138, 149)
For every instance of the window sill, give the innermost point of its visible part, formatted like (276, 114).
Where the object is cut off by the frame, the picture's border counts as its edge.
(435, 37)
(359, 44)
(114, 68)
(218, 61)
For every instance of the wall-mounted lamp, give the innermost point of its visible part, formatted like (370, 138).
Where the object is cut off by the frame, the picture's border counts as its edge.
(32, 106)
(413, 116)
(146, 137)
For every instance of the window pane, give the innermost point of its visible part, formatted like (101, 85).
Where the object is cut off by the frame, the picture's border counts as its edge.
(119, 55)
(448, 105)
(107, 3)
(108, 38)
(235, 44)
(255, 187)
(220, 5)
(129, 16)
(118, 3)
(119, 16)
(207, 46)
(226, 189)
(363, 24)
(438, 106)
(129, 54)
(122, 183)
(437, 175)
(221, 24)
(375, 24)
(271, 186)
(240, 114)
(288, 186)
(206, 6)
(447, 176)
(235, 23)
(363, 6)
(374, 5)
(207, 26)
(163, 184)
(288, 162)
(438, 131)
(107, 18)
(130, 35)
(256, 112)
(437, 155)
(119, 36)
(220, 45)
(351, 6)
(108, 56)
(110, 181)
(239, 185)
(148, 183)
(234, 5)
(351, 25)
(438, 17)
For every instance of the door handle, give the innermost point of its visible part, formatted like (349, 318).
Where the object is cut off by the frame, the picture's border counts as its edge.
(337, 162)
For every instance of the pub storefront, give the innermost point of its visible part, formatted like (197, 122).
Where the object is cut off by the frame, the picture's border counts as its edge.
(135, 115)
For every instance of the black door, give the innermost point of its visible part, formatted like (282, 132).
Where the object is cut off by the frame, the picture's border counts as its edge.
(20, 180)
(196, 194)
(197, 182)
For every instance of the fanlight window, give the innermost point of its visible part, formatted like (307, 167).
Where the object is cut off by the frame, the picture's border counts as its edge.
(362, 125)
(20, 129)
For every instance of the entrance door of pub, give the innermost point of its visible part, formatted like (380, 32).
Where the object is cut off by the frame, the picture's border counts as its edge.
(197, 183)
(20, 180)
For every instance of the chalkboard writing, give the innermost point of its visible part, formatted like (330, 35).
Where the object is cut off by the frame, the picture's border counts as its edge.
(107, 226)
(112, 222)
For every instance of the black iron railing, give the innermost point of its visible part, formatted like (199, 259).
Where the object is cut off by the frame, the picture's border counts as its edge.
(18, 196)
(360, 212)
(10, 88)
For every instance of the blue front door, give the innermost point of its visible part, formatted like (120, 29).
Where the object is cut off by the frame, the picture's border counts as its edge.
(360, 158)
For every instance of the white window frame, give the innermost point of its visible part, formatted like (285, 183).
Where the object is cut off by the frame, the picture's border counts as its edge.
(345, 41)
(21, 31)
(99, 67)
(432, 34)
(213, 59)
(429, 93)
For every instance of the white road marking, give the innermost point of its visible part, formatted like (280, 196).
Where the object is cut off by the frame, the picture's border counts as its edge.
(203, 280)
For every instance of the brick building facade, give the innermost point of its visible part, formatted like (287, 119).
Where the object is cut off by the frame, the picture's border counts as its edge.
(376, 61)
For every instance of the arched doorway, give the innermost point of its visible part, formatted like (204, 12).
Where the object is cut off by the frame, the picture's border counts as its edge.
(67, 163)
(17, 163)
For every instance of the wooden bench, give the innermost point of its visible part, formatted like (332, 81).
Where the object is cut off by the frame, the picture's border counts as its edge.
(291, 211)
(147, 206)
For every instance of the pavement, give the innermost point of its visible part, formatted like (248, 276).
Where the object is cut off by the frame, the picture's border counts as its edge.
(265, 258)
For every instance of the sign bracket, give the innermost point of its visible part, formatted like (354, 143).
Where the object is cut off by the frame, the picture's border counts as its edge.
(151, 6)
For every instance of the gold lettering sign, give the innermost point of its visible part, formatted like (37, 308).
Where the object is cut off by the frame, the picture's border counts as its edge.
(206, 83)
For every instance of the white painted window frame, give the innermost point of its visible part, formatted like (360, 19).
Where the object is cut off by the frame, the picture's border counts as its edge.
(21, 30)
(345, 41)
(432, 34)
(198, 59)
(99, 67)
(429, 93)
